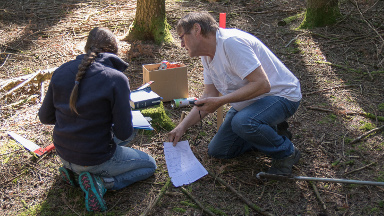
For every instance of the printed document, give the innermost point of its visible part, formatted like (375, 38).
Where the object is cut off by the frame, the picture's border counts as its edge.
(183, 167)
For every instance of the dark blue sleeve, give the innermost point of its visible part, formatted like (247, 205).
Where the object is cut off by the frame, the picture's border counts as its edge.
(47, 109)
(121, 110)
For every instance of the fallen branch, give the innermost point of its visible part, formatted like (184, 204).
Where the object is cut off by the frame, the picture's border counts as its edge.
(10, 83)
(6, 58)
(314, 187)
(344, 112)
(348, 112)
(293, 39)
(366, 134)
(18, 103)
(154, 202)
(7, 181)
(196, 201)
(288, 20)
(249, 203)
(347, 68)
(36, 77)
(318, 195)
(328, 89)
(361, 168)
(369, 24)
(20, 86)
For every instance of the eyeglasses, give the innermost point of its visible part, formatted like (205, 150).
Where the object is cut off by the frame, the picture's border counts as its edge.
(182, 37)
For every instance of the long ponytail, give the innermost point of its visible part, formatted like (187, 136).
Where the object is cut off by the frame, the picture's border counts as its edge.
(99, 40)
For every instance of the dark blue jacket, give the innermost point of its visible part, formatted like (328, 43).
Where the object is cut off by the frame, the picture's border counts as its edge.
(103, 101)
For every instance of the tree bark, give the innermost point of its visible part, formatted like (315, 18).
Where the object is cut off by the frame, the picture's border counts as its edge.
(321, 13)
(150, 22)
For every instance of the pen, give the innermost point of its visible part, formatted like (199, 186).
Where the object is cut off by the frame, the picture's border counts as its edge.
(145, 85)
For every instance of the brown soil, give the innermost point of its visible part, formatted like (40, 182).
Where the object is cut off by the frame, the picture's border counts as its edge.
(341, 72)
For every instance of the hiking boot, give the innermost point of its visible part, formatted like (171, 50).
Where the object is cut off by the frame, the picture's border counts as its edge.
(69, 176)
(94, 190)
(284, 166)
(282, 130)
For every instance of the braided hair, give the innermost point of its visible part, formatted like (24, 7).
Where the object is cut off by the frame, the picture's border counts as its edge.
(99, 40)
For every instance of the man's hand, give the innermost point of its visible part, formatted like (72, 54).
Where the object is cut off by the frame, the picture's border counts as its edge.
(209, 104)
(175, 135)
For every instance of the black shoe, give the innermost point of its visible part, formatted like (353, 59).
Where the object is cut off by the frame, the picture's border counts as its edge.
(282, 130)
(284, 166)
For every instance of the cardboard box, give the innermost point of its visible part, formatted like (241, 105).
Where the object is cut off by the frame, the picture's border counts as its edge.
(169, 83)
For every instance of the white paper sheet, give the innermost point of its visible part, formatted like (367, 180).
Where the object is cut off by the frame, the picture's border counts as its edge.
(183, 167)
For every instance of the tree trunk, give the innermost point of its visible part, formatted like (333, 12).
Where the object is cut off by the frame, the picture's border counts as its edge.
(150, 22)
(320, 13)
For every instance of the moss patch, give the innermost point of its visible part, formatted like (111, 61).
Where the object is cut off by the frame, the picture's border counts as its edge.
(158, 32)
(319, 17)
(160, 119)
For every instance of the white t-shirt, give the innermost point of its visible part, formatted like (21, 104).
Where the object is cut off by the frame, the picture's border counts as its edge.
(238, 54)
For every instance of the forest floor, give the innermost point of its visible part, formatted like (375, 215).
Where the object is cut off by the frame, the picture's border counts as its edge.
(340, 68)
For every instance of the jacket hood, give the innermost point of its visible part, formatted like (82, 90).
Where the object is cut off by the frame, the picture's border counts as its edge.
(109, 60)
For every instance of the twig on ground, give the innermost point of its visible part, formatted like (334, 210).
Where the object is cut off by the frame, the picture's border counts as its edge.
(64, 199)
(380, 188)
(328, 89)
(369, 24)
(327, 191)
(4, 61)
(249, 203)
(6, 182)
(366, 134)
(361, 168)
(244, 182)
(154, 202)
(316, 191)
(262, 193)
(348, 112)
(347, 68)
(196, 201)
(318, 195)
(173, 193)
(15, 151)
(343, 145)
(115, 204)
(19, 102)
(293, 39)
(344, 112)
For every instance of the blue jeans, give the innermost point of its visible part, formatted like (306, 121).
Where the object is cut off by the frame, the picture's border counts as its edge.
(126, 167)
(127, 141)
(254, 128)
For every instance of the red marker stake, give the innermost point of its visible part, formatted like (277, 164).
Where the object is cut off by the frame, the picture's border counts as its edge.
(222, 20)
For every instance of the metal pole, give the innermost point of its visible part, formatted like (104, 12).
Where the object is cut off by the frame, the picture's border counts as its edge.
(304, 178)
(347, 181)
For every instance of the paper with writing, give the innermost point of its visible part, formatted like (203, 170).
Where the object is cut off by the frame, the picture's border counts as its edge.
(183, 167)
